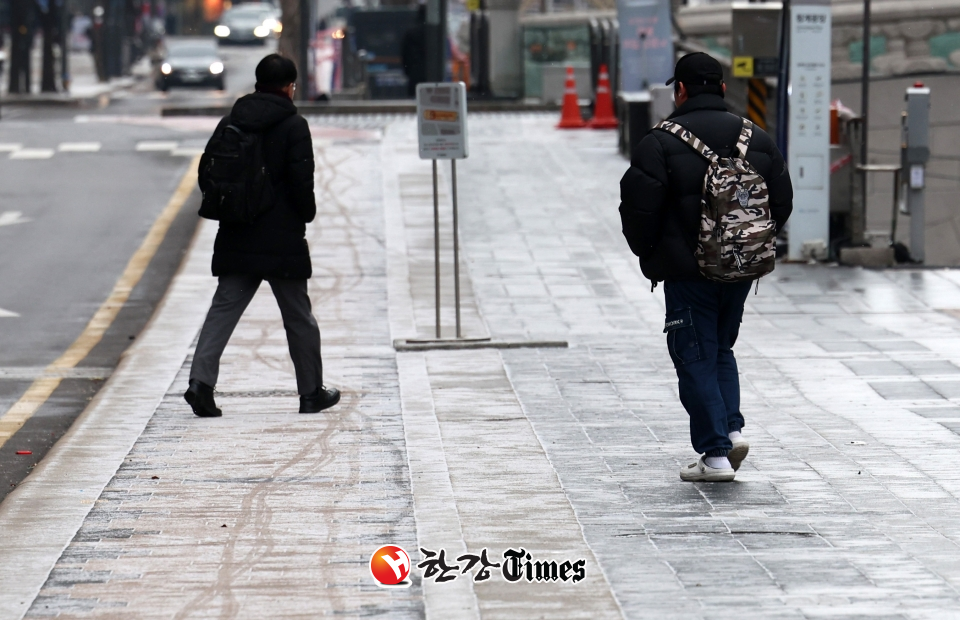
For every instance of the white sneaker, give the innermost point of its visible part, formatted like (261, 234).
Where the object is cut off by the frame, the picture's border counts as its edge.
(738, 453)
(701, 472)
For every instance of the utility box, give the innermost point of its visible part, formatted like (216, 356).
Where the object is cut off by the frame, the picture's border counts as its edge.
(917, 128)
(755, 39)
(638, 112)
(633, 114)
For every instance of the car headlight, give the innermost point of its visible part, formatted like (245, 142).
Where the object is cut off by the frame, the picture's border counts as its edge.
(272, 24)
(166, 69)
(221, 31)
(216, 68)
(261, 31)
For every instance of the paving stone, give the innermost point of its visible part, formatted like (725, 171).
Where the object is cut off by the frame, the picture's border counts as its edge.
(845, 508)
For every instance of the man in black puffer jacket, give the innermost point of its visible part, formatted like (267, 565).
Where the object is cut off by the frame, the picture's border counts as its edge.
(660, 211)
(273, 247)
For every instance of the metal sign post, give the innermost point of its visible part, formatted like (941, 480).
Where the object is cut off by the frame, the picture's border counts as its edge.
(456, 245)
(442, 133)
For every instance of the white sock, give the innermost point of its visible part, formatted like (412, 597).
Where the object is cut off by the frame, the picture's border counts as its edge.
(735, 435)
(718, 462)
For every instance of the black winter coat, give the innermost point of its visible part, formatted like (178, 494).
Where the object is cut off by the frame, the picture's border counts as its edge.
(661, 191)
(274, 246)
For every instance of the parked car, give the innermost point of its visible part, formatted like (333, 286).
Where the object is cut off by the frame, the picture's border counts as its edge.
(251, 22)
(190, 61)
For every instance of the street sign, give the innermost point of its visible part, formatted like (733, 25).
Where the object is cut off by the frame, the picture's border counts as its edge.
(743, 66)
(442, 120)
(809, 123)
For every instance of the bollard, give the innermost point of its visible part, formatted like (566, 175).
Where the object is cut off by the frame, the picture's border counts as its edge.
(915, 152)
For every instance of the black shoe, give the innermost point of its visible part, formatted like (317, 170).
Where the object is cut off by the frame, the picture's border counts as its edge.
(200, 397)
(323, 398)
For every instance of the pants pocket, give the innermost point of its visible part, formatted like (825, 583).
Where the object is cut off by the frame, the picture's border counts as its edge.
(681, 334)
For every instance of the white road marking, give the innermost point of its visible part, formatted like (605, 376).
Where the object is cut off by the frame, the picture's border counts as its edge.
(7, 314)
(157, 146)
(32, 154)
(9, 147)
(187, 152)
(79, 147)
(9, 218)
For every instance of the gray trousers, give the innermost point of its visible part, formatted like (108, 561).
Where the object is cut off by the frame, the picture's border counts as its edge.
(231, 299)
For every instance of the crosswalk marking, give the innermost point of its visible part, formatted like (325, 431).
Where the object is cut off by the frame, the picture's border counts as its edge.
(79, 147)
(176, 149)
(32, 154)
(187, 151)
(8, 218)
(157, 146)
(7, 314)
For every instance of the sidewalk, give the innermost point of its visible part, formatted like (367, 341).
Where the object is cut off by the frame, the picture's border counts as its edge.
(848, 507)
(84, 85)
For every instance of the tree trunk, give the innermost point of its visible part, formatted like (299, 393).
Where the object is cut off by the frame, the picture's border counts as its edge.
(289, 45)
(48, 72)
(21, 42)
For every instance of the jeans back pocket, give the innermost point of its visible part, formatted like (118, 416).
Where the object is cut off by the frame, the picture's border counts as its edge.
(682, 336)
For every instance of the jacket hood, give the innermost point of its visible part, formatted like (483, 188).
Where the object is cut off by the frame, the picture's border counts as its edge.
(705, 101)
(260, 111)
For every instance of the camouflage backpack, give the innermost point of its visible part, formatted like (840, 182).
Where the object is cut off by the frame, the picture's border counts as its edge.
(737, 232)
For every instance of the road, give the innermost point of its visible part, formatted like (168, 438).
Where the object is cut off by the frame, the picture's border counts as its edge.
(78, 194)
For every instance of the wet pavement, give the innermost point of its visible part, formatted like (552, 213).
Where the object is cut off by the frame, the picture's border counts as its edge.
(848, 505)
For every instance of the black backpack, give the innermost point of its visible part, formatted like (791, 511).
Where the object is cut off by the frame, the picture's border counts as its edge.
(238, 188)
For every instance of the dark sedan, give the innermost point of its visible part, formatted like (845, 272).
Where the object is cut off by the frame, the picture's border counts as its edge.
(191, 62)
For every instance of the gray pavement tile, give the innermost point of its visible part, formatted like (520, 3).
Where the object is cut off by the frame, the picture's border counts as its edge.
(904, 390)
(843, 510)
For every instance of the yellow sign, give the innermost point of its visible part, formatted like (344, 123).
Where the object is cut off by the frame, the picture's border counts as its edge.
(448, 116)
(473, 5)
(743, 66)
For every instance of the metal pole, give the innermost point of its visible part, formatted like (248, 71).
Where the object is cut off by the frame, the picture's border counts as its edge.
(864, 108)
(896, 206)
(456, 245)
(436, 243)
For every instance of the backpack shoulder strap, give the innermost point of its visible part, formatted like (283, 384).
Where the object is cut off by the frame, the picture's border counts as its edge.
(743, 142)
(687, 136)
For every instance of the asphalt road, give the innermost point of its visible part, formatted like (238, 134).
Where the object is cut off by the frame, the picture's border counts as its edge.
(77, 199)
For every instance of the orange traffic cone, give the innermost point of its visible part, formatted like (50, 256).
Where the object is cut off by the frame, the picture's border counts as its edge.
(570, 114)
(603, 117)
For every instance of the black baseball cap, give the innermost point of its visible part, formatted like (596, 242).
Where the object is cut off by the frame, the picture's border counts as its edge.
(697, 68)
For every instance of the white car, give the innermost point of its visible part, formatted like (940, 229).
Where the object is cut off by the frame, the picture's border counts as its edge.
(190, 61)
(250, 22)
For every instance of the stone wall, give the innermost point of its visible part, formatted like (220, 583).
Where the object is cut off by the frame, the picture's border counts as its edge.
(907, 36)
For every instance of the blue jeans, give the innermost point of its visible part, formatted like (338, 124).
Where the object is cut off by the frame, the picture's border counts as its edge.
(702, 324)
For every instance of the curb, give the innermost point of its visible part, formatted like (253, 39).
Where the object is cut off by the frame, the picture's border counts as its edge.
(67, 100)
(366, 107)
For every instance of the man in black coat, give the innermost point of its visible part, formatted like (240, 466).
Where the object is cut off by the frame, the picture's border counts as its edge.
(273, 247)
(660, 212)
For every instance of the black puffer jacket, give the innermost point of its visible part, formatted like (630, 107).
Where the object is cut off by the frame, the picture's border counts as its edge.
(661, 191)
(273, 247)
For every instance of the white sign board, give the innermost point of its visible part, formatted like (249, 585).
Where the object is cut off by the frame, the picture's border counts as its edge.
(808, 151)
(442, 120)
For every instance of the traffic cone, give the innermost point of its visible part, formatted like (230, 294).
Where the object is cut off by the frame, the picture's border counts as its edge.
(603, 117)
(570, 114)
